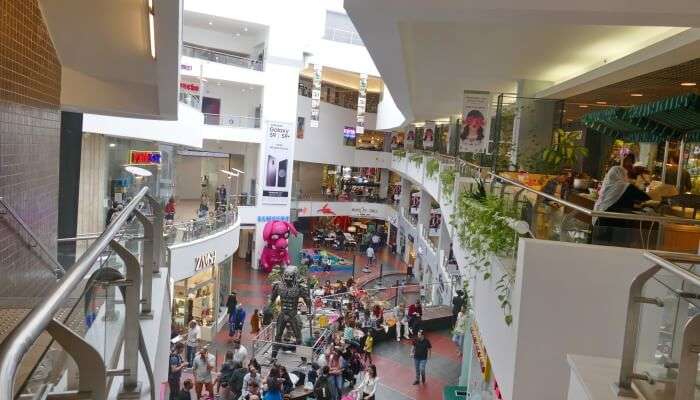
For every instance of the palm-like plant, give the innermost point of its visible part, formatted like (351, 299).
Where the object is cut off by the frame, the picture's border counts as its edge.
(565, 150)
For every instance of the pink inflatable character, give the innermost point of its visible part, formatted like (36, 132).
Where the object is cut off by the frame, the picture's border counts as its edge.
(275, 252)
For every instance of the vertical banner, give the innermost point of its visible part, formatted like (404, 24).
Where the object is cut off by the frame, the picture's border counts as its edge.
(415, 203)
(429, 133)
(396, 140)
(435, 222)
(476, 122)
(361, 104)
(278, 162)
(316, 96)
(300, 127)
(410, 136)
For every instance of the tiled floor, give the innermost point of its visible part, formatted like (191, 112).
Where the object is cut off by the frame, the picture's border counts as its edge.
(394, 365)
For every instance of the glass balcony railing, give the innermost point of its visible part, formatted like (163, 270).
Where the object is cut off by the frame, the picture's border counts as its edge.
(343, 36)
(221, 57)
(343, 198)
(243, 200)
(235, 121)
(187, 231)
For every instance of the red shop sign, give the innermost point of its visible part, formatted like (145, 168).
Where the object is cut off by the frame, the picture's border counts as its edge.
(144, 157)
(191, 87)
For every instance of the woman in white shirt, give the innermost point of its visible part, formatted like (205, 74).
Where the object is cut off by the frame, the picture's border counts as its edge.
(369, 383)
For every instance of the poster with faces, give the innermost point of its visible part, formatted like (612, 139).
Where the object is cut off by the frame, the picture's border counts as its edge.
(316, 97)
(415, 203)
(435, 222)
(429, 133)
(476, 122)
(410, 137)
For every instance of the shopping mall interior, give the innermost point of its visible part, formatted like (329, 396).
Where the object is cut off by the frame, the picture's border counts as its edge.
(349, 199)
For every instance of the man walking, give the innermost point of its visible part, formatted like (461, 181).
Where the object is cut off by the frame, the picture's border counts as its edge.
(203, 370)
(177, 364)
(370, 259)
(420, 353)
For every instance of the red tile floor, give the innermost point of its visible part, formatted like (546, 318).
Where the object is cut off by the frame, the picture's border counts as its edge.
(394, 365)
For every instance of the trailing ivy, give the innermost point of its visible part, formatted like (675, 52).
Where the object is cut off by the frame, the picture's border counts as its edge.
(399, 153)
(432, 167)
(447, 182)
(482, 227)
(416, 159)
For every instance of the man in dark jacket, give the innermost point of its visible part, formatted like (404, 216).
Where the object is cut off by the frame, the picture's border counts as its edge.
(236, 382)
(322, 387)
(457, 304)
(231, 303)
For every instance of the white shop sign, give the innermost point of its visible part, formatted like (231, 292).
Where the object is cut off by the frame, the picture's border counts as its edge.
(205, 261)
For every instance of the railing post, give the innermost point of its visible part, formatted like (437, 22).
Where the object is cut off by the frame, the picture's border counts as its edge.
(131, 388)
(148, 263)
(629, 347)
(158, 216)
(688, 365)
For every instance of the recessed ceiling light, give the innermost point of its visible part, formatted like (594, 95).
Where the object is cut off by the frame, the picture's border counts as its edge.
(218, 83)
(238, 34)
(569, 120)
(688, 83)
(250, 88)
(204, 79)
(636, 95)
(601, 102)
(243, 90)
(112, 145)
(211, 23)
(583, 106)
(245, 29)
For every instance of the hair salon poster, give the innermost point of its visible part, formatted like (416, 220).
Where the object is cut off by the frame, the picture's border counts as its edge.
(435, 222)
(410, 136)
(415, 203)
(476, 122)
(429, 133)
(277, 161)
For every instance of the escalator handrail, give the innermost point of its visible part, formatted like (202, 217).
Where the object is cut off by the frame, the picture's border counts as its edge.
(19, 341)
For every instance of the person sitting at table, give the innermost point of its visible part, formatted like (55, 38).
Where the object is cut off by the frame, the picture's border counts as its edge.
(558, 187)
(616, 195)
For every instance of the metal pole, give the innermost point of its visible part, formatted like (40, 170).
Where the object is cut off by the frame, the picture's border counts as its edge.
(663, 167)
(679, 169)
(496, 133)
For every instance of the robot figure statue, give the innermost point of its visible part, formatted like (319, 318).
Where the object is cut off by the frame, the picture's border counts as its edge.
(290, 290)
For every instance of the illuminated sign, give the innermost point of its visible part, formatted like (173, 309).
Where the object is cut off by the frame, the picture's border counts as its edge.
(206, 260)
(191, 87)
(144, 157)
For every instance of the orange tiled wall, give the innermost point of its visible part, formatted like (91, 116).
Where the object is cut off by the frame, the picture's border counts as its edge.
(30, 72)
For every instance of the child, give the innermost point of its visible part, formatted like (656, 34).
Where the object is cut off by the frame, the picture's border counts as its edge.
(255, 322)
(369, 346)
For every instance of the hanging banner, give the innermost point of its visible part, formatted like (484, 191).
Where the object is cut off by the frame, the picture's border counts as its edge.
(411, 137)
(429, 133)
(435, 222)
(278, 162)
(361, 104)
(476, 122)
(396, 140)
(415, 203)
(316, 96)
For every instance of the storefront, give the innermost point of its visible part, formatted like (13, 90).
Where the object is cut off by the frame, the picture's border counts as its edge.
(481, 383)
(202, 296)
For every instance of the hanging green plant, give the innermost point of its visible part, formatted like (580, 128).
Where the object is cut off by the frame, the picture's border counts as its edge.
(416, 159)
(432, 167)
(399, 153)
(482, 226)
(447, 182)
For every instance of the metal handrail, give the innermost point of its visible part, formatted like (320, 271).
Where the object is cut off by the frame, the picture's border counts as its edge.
(18, 342)
(58, 268)
(663, 259)
(256, 64)
(242, 121)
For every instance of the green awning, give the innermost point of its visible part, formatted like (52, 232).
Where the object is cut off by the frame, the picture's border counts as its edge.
(680, 114)
(616, 123)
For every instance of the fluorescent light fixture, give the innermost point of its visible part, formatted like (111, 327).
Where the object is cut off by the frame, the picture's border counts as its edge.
(138, 171)
(238, 34)
(636, 94)
(152, 28)
(245, 29)
(688, 83)
(582, 106)
(112, 145)
(602, 103)
(228, 173)
(211, 23)
(237, 170)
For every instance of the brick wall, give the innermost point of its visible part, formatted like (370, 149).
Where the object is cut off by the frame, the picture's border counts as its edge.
(29, 146)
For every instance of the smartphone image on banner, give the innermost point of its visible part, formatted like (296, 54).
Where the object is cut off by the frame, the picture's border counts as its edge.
(271, 179)
(282, 174)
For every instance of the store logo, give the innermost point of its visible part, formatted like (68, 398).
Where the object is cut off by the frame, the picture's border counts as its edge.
(192, 87)
(206, 260)
(364, 212)
(266, 218)
(144, 157)
(325, 210)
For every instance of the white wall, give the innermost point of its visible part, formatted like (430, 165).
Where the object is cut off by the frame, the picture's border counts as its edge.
(182, 256)
(347, 208)
(218, 71)
(343, 56)
(325, 144)
(237, 99)
(388, 114)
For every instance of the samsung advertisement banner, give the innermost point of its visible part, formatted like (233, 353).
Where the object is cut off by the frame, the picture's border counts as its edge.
(278, 162)
(476, 122)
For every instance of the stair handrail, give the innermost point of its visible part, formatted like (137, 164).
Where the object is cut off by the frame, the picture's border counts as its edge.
(19, 341)
(57, 267)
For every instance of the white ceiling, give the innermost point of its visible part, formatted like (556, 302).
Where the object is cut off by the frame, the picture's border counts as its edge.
(429, 52)
(223, 25)
(104, 49)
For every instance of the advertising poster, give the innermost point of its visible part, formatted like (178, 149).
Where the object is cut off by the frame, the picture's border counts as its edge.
(410, 137)
(429, 133)
(300, 127)
(435, 222)
(277, 162)
(415, 203)
(361, 104)
(396, 140)
(316, 96)
(476, 122)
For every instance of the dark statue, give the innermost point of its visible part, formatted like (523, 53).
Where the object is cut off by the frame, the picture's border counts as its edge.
(289, 290)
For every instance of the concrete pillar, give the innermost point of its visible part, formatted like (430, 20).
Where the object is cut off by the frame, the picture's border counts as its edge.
(383, 183)
(537, 119)
(424, 209)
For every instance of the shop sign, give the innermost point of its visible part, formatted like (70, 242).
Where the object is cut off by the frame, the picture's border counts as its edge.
(266, 218)
(190, 87)
(316, 96)
(205, 261)
(185, 67)
(364, 212)
(144, 157)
